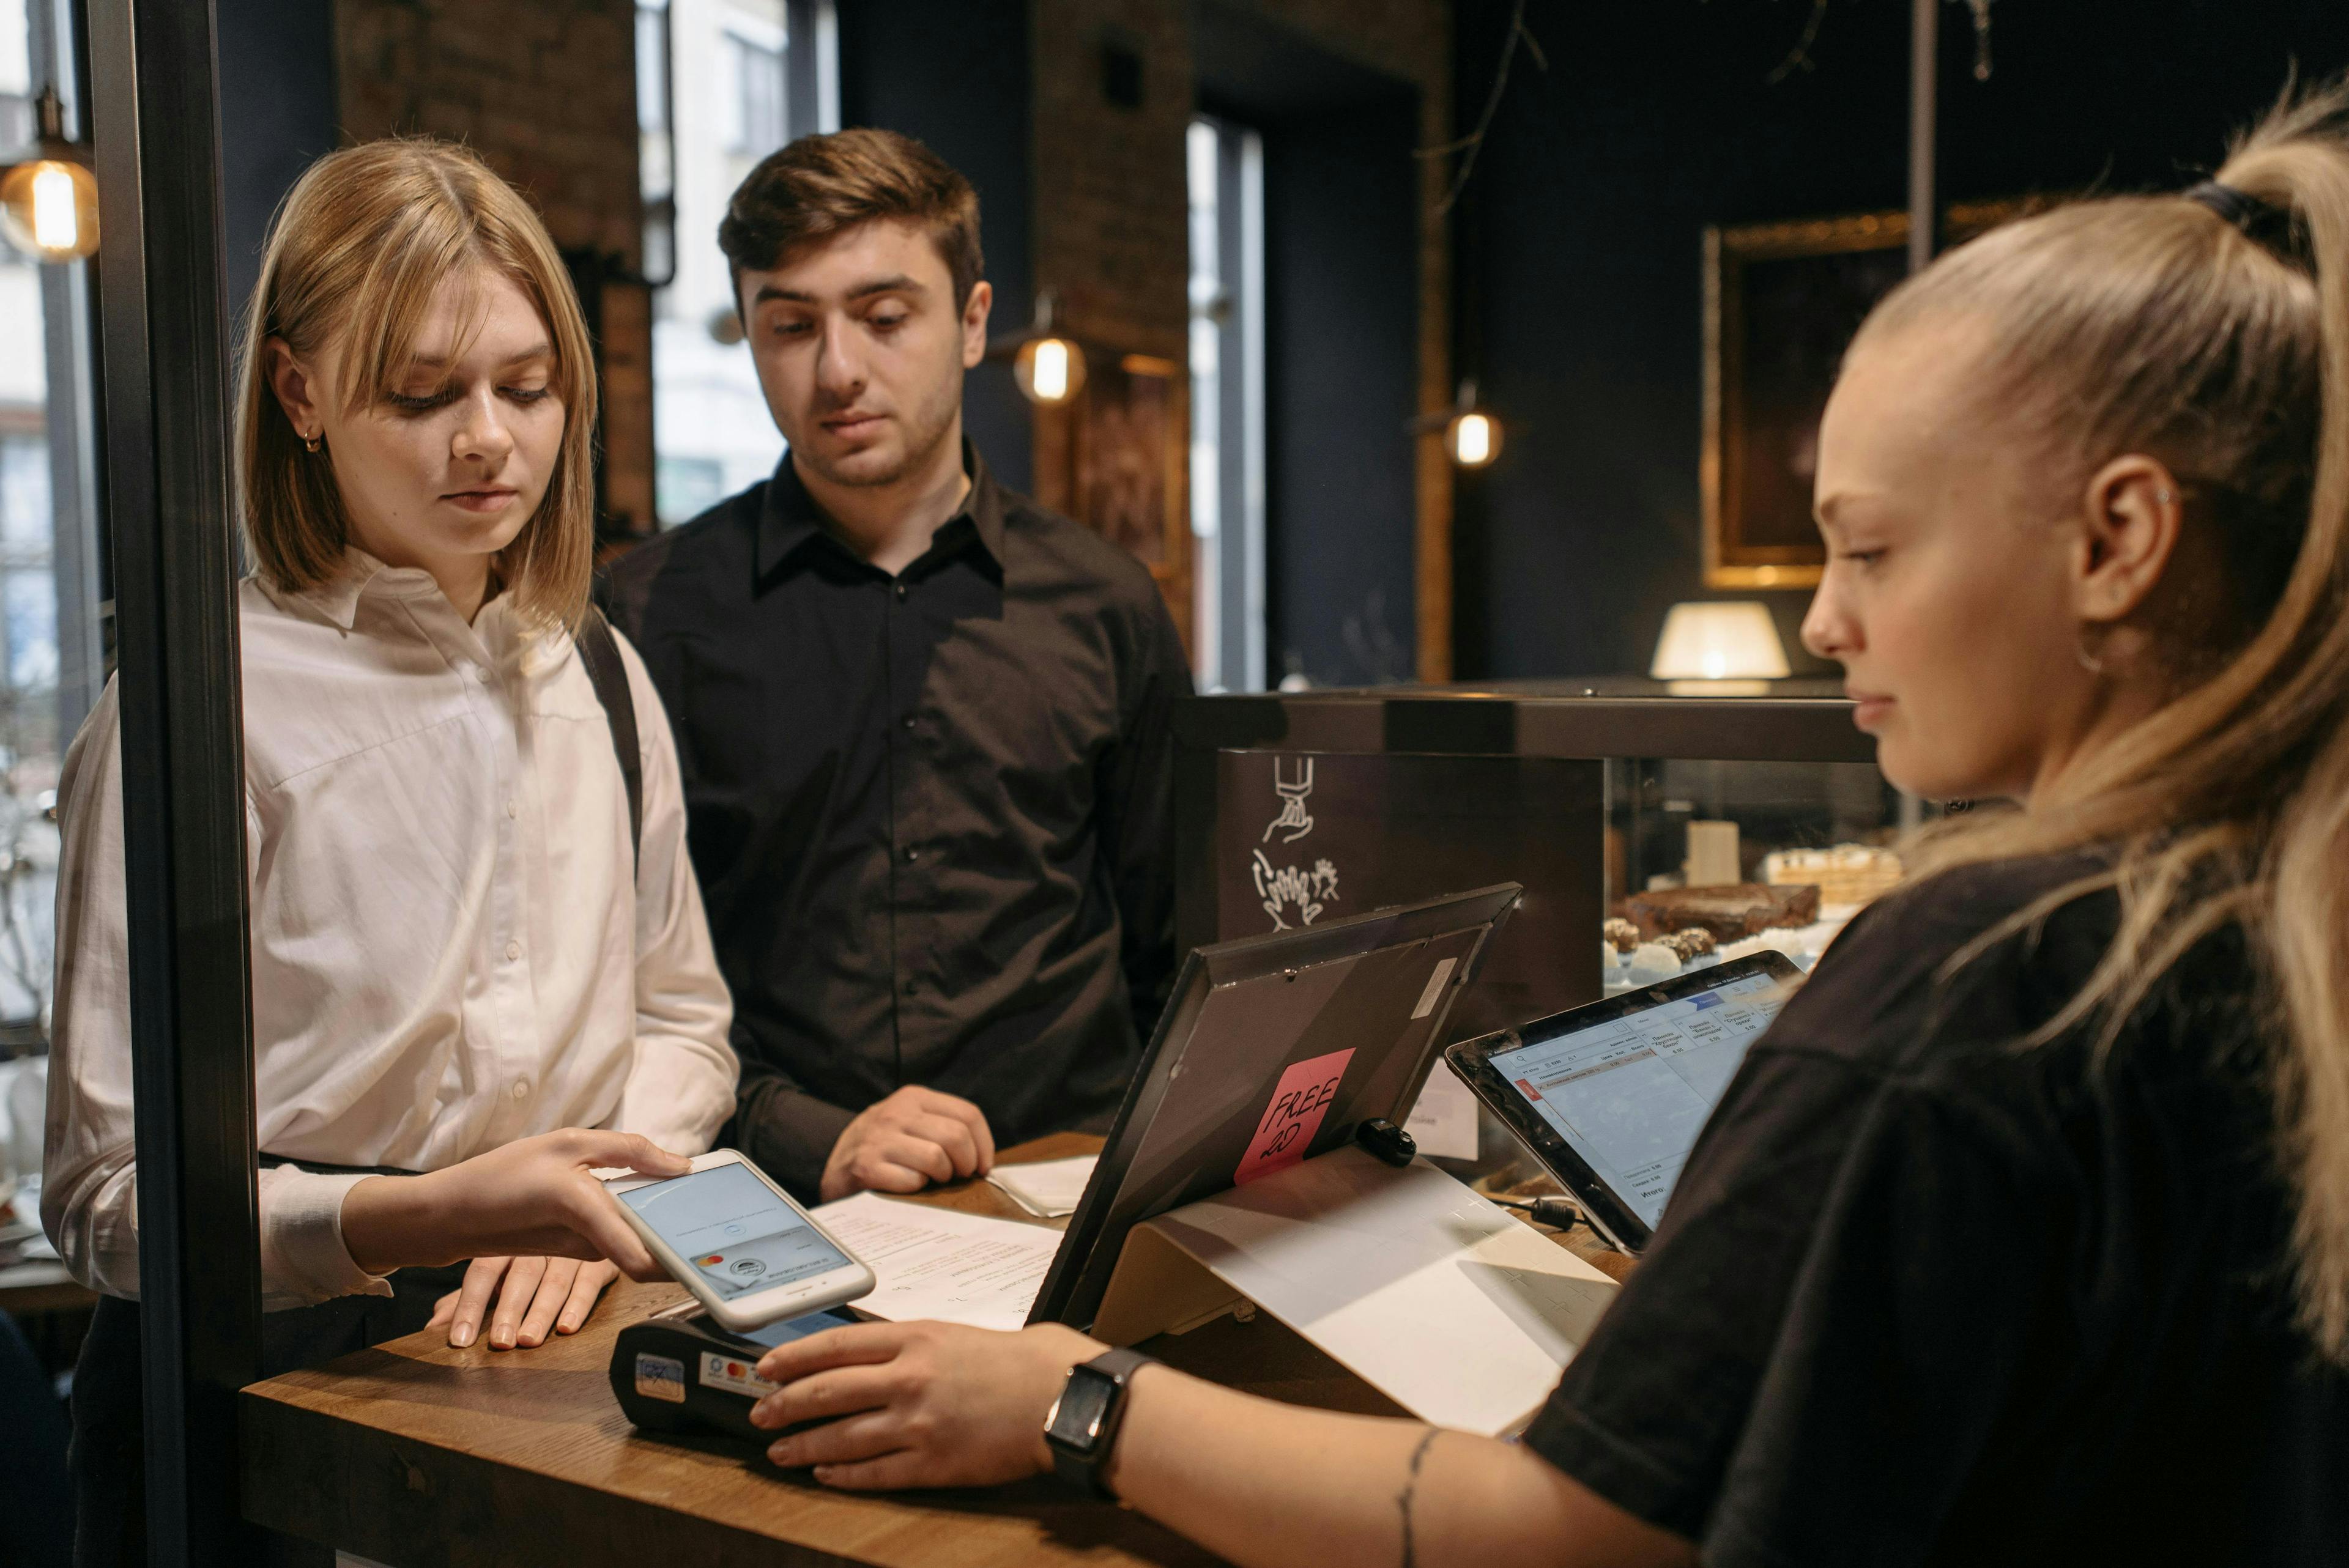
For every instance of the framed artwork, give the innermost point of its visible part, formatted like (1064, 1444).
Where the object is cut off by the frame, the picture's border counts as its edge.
(1781, 303)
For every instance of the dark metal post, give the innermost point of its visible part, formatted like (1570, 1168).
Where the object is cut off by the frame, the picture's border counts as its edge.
(155, 97)
(70, 318)
(1924, 79)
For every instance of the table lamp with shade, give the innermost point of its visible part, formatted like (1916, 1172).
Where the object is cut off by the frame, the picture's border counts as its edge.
(1720, 648)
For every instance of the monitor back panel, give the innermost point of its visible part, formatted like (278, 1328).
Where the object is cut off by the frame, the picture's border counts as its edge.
(1221, 1062)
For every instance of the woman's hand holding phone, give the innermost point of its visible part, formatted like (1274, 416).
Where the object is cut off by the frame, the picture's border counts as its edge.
(536, 1196)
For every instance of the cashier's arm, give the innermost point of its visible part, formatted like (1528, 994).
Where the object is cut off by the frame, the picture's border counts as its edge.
(929, 1404)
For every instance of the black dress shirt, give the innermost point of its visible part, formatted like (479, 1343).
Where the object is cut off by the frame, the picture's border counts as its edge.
(931, 813)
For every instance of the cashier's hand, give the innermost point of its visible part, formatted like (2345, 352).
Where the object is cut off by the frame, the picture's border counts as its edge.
(533, 1294)
(908, 1141)
(918, 1404)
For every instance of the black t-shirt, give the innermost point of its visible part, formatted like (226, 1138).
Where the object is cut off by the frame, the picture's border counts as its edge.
(1926, 1296)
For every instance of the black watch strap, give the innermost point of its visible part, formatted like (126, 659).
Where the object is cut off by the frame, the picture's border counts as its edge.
(1082, 1426)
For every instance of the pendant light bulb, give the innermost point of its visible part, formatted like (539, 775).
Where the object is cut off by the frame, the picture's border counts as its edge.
(1475, 441)
(1050, 370)
(1474, 436)
(49, 204)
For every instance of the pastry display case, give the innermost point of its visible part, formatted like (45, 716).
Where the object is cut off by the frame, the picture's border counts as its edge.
(1652, 833)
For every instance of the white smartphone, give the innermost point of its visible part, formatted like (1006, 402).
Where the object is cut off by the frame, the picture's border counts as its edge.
(736, 1240)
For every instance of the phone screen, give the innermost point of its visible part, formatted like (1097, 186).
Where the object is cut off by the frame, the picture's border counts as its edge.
(733, 1229)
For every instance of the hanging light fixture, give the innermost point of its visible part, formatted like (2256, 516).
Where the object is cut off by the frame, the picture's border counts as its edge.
(48, 203)
(1472, 438)
(1048, 367)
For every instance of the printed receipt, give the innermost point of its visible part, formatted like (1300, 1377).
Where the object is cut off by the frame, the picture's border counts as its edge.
(938, 1264)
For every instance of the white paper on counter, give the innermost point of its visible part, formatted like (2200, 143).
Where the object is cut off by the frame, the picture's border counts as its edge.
(1047, 1189)
(1443, 1122)
(1406, 1278)
(941, 1263)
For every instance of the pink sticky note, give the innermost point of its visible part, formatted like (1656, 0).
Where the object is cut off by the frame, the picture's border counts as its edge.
(1300, 1101)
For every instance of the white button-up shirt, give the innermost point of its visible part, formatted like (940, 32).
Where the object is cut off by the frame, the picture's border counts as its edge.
(448, 953)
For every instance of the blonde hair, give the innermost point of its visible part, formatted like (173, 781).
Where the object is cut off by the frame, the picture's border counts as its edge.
(2154, 324)
(357, 249)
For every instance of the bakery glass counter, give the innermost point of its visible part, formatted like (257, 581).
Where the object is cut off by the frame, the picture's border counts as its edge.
(1652, 833)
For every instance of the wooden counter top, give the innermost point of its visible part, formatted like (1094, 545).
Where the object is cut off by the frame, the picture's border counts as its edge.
(417, 1455)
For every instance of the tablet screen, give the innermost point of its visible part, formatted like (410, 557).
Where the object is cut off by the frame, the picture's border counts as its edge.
(1629, 1094)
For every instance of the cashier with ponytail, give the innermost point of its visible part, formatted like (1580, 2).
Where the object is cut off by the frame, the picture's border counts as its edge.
(2023, 1237)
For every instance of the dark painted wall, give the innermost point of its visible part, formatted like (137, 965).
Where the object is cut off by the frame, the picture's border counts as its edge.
(1342, 381)
(1342, 350)
(1580, 246)
(277, 114)
(956, 76)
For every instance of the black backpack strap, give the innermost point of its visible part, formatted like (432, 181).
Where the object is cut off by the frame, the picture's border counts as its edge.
(601, 654)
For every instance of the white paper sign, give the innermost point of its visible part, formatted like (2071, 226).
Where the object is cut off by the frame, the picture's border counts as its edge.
(1443, 1122)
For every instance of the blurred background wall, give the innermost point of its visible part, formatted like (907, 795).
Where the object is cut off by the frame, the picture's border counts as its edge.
(1566, 280)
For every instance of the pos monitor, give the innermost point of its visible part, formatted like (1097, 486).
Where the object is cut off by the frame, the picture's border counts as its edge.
(1273, 1050)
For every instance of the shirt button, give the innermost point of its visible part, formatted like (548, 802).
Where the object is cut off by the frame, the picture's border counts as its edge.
(911, 854)
(909, 721)
(513, 950)
(483, 676)
(909, 987)
(901, 590)
(512, 808)
(520, 1088)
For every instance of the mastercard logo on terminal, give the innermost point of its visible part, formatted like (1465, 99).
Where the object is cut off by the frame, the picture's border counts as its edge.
(713, 1259)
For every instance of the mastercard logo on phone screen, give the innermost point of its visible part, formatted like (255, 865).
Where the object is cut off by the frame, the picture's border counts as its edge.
(713, 1259)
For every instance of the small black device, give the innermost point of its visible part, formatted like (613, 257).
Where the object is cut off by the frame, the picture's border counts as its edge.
(1388, 1143)
(1610, 1097)
(1081, 1426)
(682, 1371)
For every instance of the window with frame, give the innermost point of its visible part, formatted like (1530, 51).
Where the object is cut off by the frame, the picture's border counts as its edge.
(772, 74)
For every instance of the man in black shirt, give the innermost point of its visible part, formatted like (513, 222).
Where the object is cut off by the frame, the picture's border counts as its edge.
(922, 722)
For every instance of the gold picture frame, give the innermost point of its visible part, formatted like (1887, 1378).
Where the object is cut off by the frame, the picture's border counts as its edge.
(1781, 303)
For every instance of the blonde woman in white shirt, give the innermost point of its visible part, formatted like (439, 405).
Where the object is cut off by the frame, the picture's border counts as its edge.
(456, 941)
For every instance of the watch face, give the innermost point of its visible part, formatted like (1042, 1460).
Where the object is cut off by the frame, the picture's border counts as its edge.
(1076, 1424)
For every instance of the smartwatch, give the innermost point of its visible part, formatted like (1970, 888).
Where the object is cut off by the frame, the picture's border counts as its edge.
(1082, 1423)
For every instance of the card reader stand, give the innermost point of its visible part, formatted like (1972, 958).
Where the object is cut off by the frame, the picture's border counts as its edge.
(1418, 1286)
(682, 1371)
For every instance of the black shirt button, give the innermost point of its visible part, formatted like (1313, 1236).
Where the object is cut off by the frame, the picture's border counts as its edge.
(901, 590)
(910, 852)
(909, 721)
(909, 987)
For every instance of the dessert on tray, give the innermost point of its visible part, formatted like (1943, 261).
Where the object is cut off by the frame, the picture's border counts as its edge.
(1846, 874)
(1728, 914)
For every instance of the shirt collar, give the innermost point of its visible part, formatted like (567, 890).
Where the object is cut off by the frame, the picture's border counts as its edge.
(504, 639)
(337, 598)
(790, 520)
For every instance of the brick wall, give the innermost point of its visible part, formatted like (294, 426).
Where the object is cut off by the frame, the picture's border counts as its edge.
(546, 91)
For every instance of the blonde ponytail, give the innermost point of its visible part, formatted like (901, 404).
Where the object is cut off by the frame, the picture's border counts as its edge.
(2159, 325)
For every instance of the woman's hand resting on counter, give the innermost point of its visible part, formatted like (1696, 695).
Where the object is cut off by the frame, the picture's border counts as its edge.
(535, 1297)
(538, 1225)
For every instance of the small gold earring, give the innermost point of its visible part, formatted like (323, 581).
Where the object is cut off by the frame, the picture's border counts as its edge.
(312, 443)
